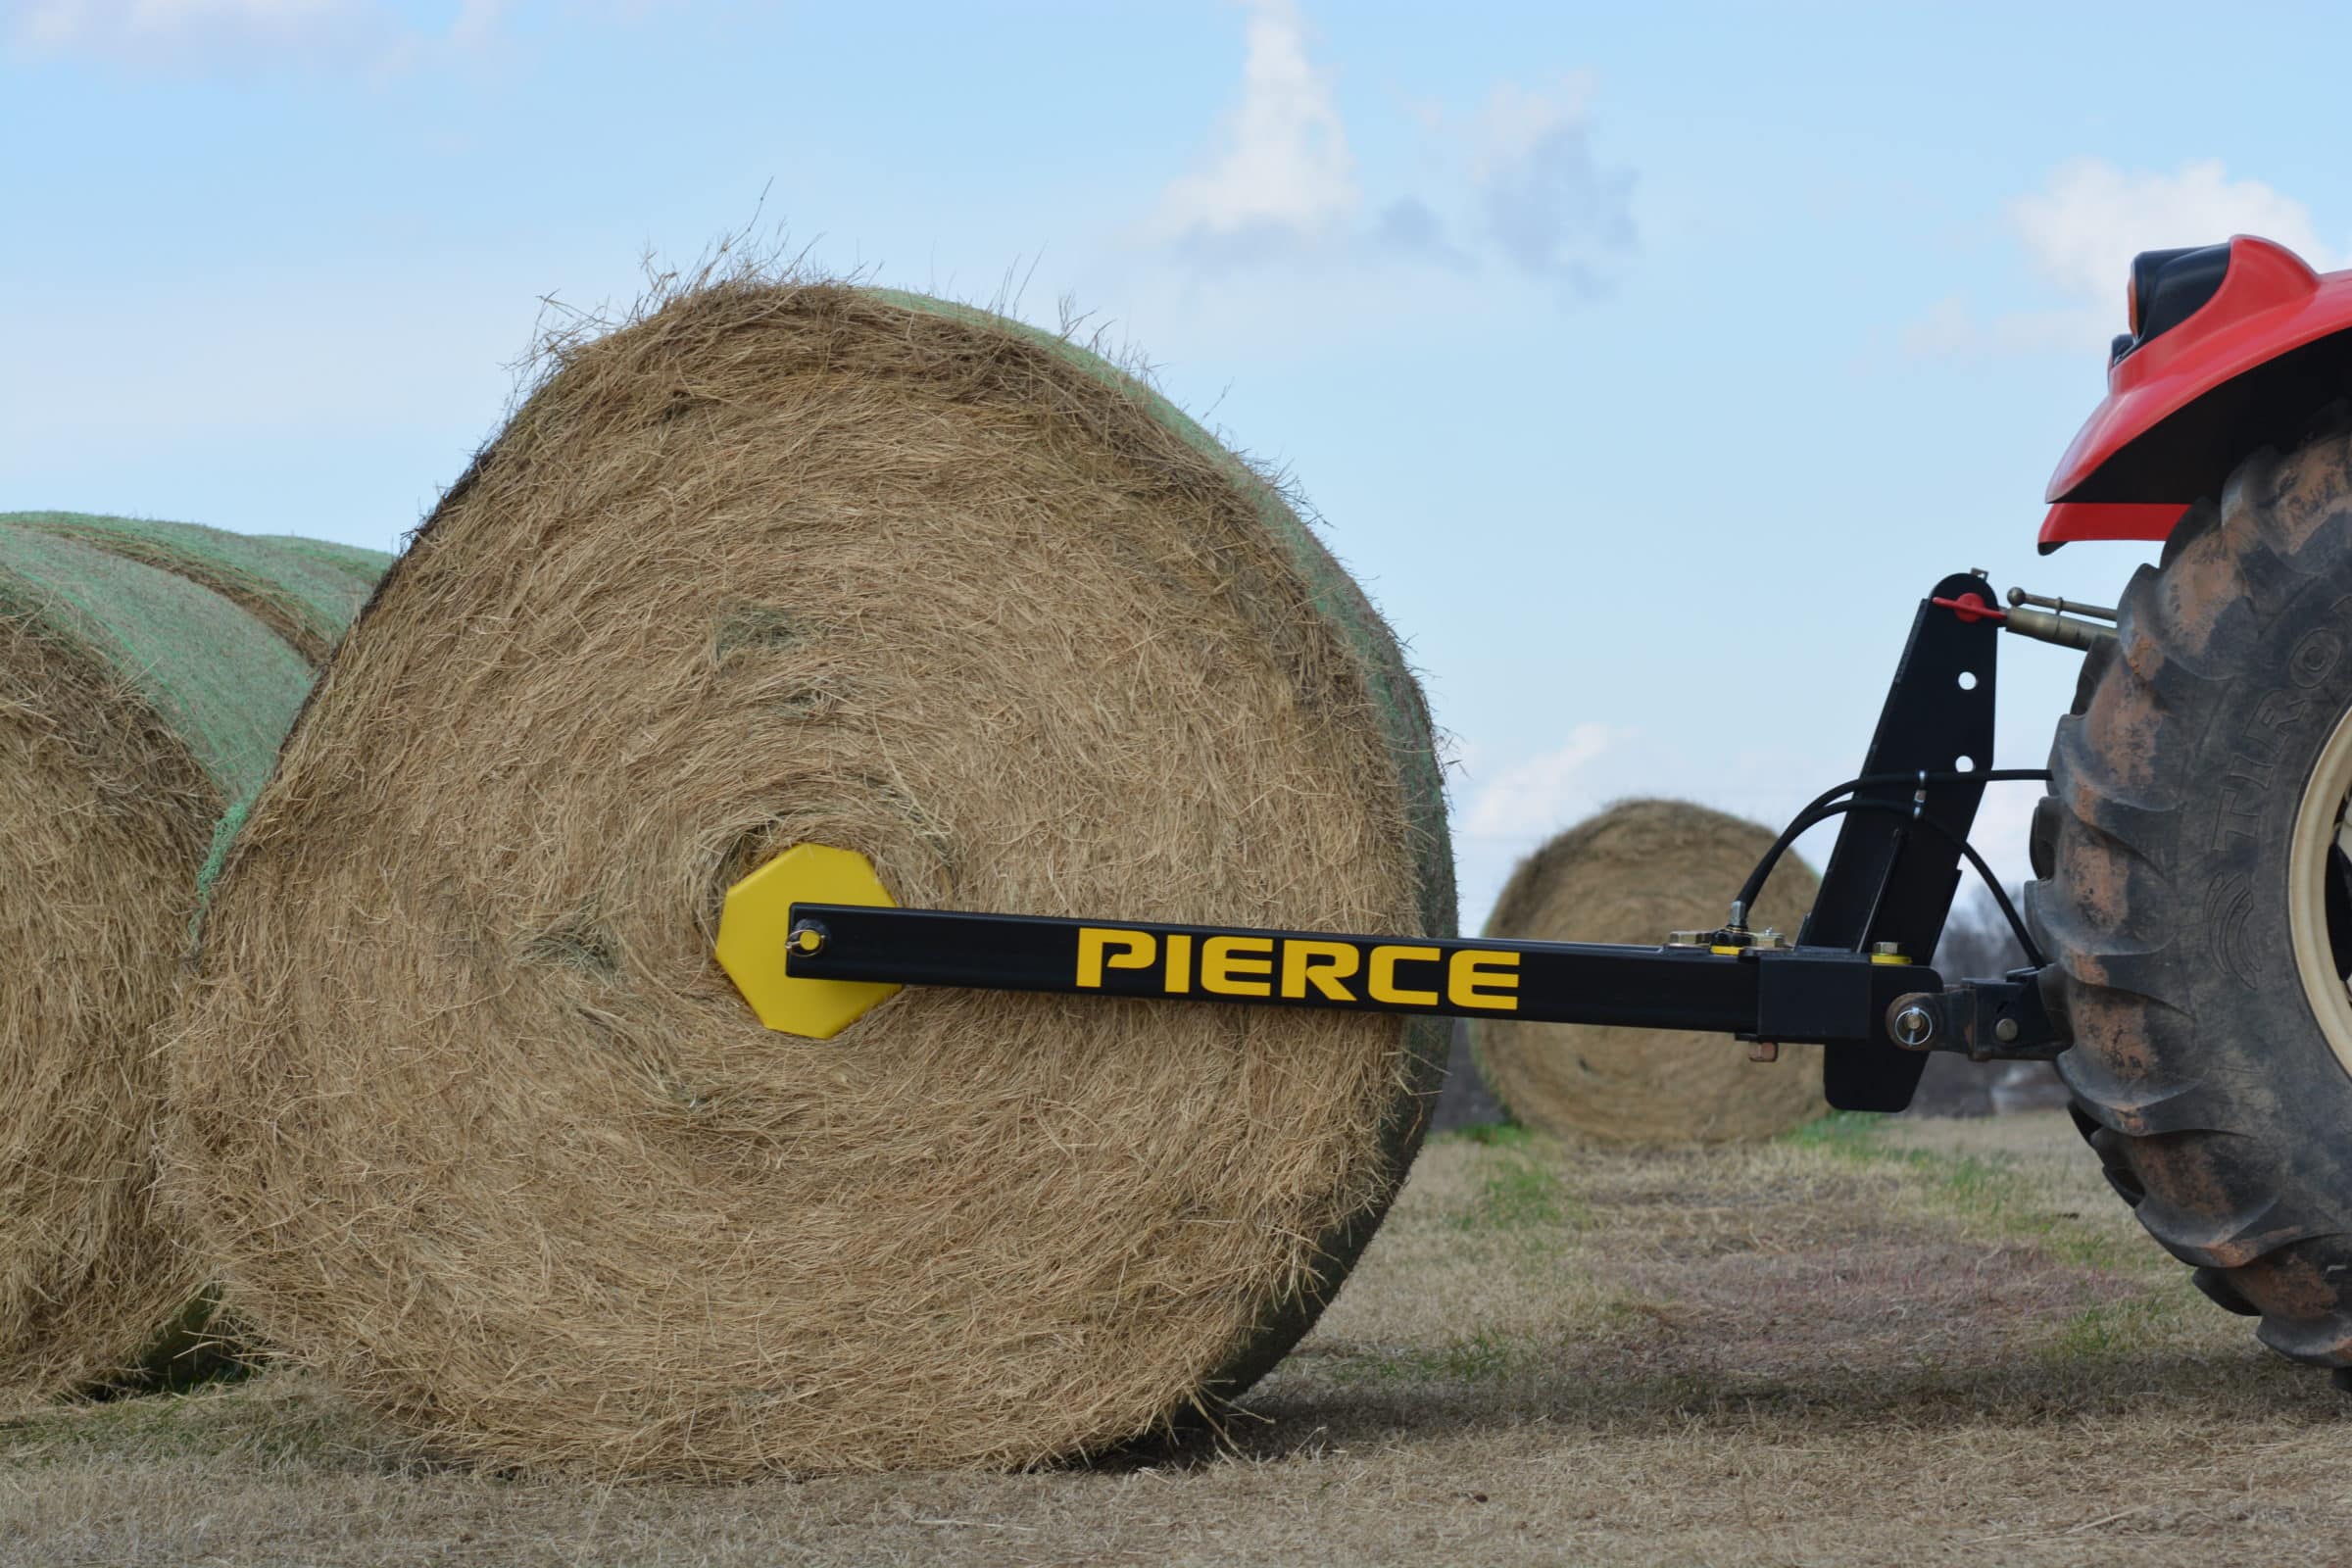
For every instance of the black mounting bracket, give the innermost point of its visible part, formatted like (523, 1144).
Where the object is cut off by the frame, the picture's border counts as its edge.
(1890, 879)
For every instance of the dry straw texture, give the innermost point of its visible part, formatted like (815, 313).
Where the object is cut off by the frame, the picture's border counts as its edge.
(1633, 874)
(134, 706)
(481, 1127)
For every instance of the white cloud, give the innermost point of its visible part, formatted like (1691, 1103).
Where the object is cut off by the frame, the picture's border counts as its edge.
(1281, 164)
(1277, 197)
(2081, 228)
(184, 33)
(140, 25)
(1543, 793)
(1550, 207)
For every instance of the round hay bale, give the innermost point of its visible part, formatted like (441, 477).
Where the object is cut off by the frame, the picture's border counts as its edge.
(474, 1119)
(305, 590)
(1633, 874)
(134, 706)
(367, 567)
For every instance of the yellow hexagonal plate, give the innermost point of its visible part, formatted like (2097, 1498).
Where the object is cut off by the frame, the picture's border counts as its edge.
(755, 925)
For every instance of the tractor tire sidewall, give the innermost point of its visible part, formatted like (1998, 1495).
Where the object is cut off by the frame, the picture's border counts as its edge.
(2229, 875)
(2164, 851)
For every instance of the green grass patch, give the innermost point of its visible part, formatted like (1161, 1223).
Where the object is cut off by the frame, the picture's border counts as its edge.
(1989, 1197)
(1480, 1357)
(270, 1420)
(1841, 1131)
(1491, 1135)
(2112, 1329)
(1519, 1186)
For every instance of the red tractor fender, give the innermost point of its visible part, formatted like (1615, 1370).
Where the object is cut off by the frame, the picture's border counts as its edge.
(2271, 348)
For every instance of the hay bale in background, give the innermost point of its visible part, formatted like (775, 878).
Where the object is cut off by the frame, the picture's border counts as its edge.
(774, 564)
(1633, 874)
(352, 561)
(134, 706)
(305, 590)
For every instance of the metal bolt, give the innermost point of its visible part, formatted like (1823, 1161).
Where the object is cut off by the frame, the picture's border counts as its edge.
(1914, 1028)
(1887, 950)
(2005, 1030)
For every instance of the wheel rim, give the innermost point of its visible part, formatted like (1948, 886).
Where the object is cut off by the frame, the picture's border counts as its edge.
(2320, 892)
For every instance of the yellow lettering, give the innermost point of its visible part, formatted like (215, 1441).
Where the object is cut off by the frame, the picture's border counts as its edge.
(1180, 964)
(1135, 950)
(1224, 957)
(1382, 983)
(1474, 979)
(1322, 964)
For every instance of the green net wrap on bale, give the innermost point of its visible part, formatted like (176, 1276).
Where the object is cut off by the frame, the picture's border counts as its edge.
(134, 706)
(476, 1122)
(1634, 873)
(305, 590)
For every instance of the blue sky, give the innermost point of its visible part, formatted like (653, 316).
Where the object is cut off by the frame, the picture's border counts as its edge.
(1645, 361)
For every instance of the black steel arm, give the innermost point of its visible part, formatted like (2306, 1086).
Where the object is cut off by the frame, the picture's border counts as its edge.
(1848, 984)
(1781, 994)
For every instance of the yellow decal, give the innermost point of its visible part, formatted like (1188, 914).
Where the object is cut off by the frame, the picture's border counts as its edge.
(1180, 964)
(1224, 957)
(1300, 968)
(1321, 964)
(1382, 983)
(1473, 976)
(1135, 951)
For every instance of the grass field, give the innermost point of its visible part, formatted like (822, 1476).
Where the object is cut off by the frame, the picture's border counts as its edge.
(1916, 1343)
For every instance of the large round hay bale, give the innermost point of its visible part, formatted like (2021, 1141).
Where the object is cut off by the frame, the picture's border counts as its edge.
(1634, 873)
(135, 705)
(476, 1122)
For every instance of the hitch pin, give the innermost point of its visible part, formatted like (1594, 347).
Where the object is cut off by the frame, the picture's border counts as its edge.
(2053, 625)
(2064, 630)
(2018, 596)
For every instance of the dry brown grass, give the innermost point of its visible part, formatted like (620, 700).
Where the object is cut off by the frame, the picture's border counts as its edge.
(1634, 873)
(1938, 1344)
(475, 1121)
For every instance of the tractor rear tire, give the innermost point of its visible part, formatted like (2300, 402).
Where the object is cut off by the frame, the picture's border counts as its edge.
(2197, 907)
